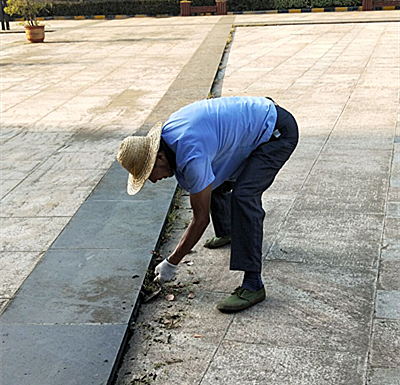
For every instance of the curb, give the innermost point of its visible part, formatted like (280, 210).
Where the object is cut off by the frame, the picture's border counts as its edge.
(93, 17)
(300, 10)
(313, 10)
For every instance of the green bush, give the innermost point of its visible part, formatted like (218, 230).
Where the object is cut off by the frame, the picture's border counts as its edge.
(172, 7)
(203, 2)
(262, 5)
(106, 7)
(28, 9)
(288, 4)
(249, 5)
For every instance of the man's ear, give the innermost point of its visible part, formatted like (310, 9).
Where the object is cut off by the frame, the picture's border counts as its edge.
(162, 158)
(161, 155)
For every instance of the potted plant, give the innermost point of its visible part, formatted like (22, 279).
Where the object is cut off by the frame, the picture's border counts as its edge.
(29, 9)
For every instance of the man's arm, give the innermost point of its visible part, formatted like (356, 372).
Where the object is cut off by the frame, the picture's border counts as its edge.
(200, 203)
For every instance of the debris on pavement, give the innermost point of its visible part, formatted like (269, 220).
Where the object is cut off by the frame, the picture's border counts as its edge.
(169, 297)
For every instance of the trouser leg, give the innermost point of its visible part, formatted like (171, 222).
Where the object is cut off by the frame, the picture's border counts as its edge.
(246, 207)
(221, 209)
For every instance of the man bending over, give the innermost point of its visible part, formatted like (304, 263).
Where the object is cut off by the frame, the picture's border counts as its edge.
(225, 152)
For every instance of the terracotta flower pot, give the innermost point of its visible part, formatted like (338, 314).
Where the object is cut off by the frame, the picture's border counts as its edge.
(35, 34)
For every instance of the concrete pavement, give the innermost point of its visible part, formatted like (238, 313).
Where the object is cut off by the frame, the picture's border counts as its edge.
(331, 228)
(73, 311)
(333, 244)
(66, 105)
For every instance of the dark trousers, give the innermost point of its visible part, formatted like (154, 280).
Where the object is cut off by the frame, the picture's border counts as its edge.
(236, 208)
(4, 18)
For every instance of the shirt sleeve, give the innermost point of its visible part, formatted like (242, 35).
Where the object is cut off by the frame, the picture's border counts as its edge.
(198, 174)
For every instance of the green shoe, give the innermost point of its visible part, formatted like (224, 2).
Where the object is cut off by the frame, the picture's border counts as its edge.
(241, 299)
(215, 242)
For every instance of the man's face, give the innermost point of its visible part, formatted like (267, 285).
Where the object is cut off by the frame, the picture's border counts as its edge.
(161, 169)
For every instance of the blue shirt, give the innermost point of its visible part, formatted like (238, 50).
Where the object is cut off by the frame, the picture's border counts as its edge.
(213, 138)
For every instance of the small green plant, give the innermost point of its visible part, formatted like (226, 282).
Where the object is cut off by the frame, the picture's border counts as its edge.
(28, 9)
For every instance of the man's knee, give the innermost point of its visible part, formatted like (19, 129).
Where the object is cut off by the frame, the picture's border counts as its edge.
(246, 198)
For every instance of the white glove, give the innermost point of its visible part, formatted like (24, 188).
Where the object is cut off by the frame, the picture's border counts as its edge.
(165, 271)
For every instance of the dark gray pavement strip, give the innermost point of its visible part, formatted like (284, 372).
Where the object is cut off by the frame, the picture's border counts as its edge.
(113, 188)
(81, 287)
(123, 225)
(59, 354)
(73, 311)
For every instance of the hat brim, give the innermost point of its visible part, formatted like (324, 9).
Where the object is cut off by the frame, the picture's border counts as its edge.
(153, 138)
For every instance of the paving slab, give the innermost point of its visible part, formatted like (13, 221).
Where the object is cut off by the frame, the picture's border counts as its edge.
(370, 120)
(7, 186)
(32, 146)
(386, 344)
(9, 170)
(12, 263)
(277, 208)
(30, 234)
(323, 237)
(3, 304)
(393, 209)
(384, 376)
(260, 363)
(391, 240)
(108, 225)
(71, 287)
(356, 141)
(389, 275)
(34, 197)
(48, 354)
(215, 262)
(347, 180)
(185, 343)
(311, 307)
(113, 185)
(184, 365)
(387, 304)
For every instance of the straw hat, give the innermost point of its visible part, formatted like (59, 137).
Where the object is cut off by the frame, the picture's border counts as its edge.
(137, 154)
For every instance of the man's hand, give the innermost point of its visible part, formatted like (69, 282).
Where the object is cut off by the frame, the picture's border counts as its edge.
(165, 271)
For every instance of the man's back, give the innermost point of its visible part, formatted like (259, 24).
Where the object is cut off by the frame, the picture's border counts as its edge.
(212, 138)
